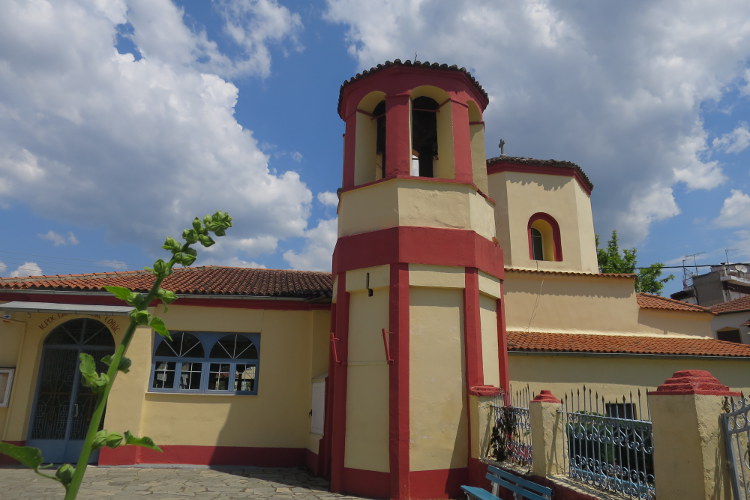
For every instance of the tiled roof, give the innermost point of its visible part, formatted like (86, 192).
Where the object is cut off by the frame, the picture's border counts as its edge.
(736, 305)
(569, 273)
(207, 280)
(414, 64)
(534, 162)
(624, 344)
(649, 301)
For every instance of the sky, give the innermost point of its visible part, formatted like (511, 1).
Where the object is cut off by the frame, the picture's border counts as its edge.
(121, 120)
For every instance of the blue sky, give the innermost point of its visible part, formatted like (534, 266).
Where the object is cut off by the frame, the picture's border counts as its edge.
(121, 120)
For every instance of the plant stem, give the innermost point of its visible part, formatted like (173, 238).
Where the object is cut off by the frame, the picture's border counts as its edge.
(71, 491)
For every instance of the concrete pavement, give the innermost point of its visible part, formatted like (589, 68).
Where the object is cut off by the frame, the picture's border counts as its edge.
(172, 483)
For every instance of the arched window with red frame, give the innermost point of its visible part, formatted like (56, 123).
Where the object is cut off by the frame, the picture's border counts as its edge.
(544, 238)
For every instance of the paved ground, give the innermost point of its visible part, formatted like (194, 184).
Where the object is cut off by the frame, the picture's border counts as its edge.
(163, 483)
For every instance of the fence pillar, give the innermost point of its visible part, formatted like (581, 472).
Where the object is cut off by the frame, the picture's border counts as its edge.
(547, 435)
(689, 457)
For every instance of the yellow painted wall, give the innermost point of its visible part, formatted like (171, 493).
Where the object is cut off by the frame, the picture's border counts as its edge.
(490, 361)
(563, 303)
(278, 416)
(613, 376)
(546, 302)
(437, 413)
(659, 322)
(367, 383)
(11, 333)
(519, 196)
(415, 202)
(478, 157)
(446, 166)
(28, 336)
(364, 160)
(436, 276)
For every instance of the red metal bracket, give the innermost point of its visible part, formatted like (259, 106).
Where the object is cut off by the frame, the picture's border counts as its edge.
(333, 349)
(387, 347)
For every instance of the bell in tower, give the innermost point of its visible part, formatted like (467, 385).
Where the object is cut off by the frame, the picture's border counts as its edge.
(418, 341)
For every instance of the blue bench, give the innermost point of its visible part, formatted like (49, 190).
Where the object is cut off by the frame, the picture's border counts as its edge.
(521, 488)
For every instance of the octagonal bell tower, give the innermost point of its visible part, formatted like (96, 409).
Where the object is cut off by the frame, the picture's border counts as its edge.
(418, 341)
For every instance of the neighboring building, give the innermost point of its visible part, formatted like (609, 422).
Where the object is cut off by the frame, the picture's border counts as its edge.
(732, 320)
(453, 278)
(723, 283)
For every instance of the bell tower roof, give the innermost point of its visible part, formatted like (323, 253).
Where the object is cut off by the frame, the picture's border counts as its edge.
(413, 64)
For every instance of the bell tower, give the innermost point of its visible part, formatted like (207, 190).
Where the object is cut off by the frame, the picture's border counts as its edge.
(418, 341)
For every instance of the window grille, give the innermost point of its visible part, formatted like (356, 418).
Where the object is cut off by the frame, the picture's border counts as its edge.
(181, 364)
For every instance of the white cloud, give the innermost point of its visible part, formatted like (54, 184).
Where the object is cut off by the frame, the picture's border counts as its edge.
(27, 269)
(318, 249)
(651, 205)
(735, 141)
(3, 267)
(58, 239)
(138, 147)
(741, 245)
(615, 87)
(328, 198)
(735, 212)
(117, 265)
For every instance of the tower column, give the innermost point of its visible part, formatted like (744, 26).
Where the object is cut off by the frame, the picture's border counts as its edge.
(398, 425)
(398, 135)
(462, 142)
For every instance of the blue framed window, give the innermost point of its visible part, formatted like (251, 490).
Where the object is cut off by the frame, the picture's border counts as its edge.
(206, 362)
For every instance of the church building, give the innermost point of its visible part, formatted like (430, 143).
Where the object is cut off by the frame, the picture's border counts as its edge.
(454, 278)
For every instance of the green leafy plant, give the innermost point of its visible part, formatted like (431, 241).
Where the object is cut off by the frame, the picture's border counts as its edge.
(648, 279)
(101, 383)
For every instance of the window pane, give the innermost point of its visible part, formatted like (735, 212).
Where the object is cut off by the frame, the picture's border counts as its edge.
(234, 346)
(190, 376)
(182, 345)
(244, 377)
(164, 375)
(537, 244)
(218, 377)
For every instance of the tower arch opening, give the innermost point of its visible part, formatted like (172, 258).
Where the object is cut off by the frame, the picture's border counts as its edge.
(431, 133)
(369, 161)
(544, 238)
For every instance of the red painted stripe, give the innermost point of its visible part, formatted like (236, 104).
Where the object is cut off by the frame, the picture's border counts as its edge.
(563, 171)
(464, 171)
(338, 393)
(441, 483)
(397, 134)
(502, 342)
(398, 399)
(109, 300)
(366, 483)
(204, 455)
(350, 138)
(5, 459)
(437, 180)
(472, 330)
(418, 245)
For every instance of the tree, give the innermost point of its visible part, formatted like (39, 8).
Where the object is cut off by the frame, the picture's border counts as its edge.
(647, 279)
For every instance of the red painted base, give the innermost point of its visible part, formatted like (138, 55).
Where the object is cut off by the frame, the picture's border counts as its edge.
(445, 483)
(5, 459)
(205, 455)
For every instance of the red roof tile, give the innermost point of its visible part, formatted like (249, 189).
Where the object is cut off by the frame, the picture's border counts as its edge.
(649, 301)
(569, 273)
(736, 305)
(207, 280)
(624, 344)
(499, 163)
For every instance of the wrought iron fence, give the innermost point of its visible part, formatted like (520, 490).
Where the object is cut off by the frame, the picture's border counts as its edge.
(606, 444)
(735, 424)
(511, 428)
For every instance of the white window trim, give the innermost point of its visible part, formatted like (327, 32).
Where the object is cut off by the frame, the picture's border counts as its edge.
(6, 378)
